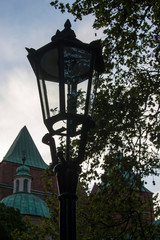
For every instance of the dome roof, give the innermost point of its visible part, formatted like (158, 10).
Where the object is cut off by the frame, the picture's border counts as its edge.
(23, 171)
(27, 203)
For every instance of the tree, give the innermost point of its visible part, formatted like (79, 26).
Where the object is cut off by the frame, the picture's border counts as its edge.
(10, 220)
(41, 231)
(129, 91)
(128, 102)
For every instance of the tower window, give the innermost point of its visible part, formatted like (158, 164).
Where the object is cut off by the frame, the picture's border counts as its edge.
(17, 186)
(25, 185)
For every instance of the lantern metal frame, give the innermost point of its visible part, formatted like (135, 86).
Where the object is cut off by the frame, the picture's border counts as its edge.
(67, 170)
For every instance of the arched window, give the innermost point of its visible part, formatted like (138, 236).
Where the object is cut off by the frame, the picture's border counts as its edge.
(25, 185)
(17, 186)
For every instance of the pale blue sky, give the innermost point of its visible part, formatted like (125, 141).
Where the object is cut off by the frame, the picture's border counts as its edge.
(29, 23)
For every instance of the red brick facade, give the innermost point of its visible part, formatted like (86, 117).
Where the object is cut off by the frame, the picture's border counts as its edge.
(7, 173)
(147, 197)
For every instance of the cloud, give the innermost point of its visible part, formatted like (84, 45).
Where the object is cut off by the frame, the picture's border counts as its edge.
(19, 100)
(19, 106)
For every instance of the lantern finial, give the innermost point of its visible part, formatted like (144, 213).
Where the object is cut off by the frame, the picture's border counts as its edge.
(67, 24)
(67, 33)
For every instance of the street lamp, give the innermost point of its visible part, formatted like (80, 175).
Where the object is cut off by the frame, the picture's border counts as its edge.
(67, 73)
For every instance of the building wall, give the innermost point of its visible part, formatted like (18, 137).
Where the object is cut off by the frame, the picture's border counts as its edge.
(7, 173)
(146, 196)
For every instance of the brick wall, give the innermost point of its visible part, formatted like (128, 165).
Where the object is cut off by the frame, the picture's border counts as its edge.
(7, 173)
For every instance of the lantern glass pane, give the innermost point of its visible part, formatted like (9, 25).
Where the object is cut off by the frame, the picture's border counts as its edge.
(52, 89)
(76, 96)
(50, 98)
(43, 97)
(76, 72)
(49, 63)
(76, 64)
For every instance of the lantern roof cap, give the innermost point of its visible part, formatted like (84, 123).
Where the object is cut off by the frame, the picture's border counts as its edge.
(67, 33)
(68, 36)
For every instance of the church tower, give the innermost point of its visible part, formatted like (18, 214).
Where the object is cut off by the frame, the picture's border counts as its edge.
(22, 180)
(22, 147)
(23, 199)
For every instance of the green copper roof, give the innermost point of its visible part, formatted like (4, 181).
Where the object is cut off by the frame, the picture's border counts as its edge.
(157, 222)
(23, 171)
(24, 145)
(127, 175)
(27, 203)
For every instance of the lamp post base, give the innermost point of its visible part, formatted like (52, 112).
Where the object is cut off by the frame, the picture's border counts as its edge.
(68, 228)
(67, 176)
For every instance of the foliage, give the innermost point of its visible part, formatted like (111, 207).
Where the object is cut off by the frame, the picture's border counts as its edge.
(131, 33)
(10, 219)
(35, 231)
(127, 116)
(118, 209)
(115, 211)
(129, 90)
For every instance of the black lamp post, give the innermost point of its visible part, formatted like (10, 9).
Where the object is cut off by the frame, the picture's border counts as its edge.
(64, 70)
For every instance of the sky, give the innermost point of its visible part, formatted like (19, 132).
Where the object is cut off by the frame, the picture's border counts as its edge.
(30, 23)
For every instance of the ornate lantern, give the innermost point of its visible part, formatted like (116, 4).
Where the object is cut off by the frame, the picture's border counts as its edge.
(66, 75)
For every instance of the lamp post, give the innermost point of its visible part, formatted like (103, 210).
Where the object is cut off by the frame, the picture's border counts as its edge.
(64, 70)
